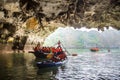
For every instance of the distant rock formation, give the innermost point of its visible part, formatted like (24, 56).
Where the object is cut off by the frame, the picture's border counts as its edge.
(72, 38)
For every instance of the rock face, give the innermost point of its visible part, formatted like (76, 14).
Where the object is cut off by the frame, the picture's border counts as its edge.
(78, 13)
(50, 14)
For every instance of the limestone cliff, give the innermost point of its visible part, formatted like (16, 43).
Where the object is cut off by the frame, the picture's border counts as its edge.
(41, 17)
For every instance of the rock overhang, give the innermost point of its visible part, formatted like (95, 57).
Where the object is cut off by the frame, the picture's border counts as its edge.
(50, 14)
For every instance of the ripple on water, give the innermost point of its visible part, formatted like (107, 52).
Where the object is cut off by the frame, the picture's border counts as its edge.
(86, 66)
(91, 67)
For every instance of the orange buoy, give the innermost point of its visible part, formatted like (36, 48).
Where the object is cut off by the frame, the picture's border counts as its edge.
(74, 54)
(94, 49)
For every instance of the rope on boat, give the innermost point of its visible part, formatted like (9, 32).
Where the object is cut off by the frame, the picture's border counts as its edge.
(65, 49)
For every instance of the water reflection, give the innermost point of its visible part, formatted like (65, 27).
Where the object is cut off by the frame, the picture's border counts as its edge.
(22, 66)
(11, 64)
(92, 66)
(49, 72)
(85, 66)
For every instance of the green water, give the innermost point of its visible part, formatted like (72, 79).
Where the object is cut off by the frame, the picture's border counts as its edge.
(86, 66)
(79, 51)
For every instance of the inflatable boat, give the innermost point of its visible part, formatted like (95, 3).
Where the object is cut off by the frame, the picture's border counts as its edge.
(46, 64)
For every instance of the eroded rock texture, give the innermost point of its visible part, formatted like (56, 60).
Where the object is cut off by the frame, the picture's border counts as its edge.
(89, 13)
(41, 17)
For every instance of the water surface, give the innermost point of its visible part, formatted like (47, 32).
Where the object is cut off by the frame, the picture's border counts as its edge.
(86, 66)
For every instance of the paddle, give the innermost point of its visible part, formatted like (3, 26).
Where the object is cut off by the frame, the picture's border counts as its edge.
(65, 49)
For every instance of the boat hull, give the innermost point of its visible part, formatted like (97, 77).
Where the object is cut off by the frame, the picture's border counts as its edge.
(50, 64)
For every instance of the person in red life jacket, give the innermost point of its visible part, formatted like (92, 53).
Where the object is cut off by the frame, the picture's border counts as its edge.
(62, 56)
(59, 44)
(59, 55)
(38, 47)
(52, 49)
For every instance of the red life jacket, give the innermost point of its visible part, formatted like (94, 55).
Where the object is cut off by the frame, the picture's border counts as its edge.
(62, 56)
(59, 57)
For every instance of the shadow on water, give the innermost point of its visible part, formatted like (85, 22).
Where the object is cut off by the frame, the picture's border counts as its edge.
(47, 73)
(11, 65)
(85, 66)
(22, 66)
